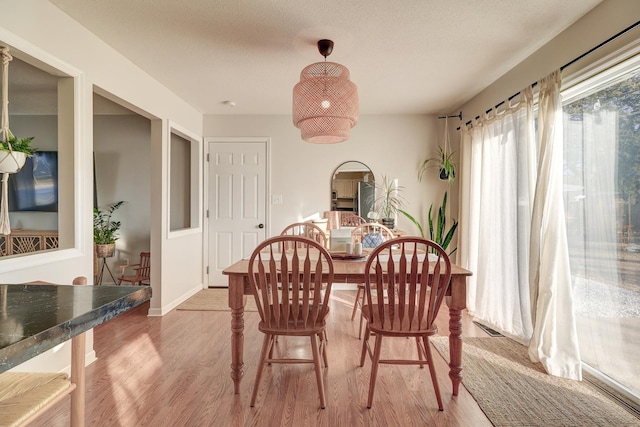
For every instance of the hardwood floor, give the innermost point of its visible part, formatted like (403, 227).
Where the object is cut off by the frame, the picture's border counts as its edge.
(174, 371)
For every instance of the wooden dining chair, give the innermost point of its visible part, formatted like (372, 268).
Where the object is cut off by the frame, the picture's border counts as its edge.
(352, 221)
(139, 274)
(371, 235)
(285, 286)
(308, 230)
(406, 280)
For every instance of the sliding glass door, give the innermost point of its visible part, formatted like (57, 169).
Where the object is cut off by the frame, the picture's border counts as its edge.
(602, 205)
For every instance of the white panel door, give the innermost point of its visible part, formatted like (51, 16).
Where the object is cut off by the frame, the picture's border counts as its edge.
(237, 204)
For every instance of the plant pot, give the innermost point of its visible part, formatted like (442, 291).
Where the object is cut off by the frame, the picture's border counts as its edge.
(389, 222)
(11, 161)
(444, 175)
(105, 250)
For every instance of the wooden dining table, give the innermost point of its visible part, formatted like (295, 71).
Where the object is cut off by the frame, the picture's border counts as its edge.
(344, 271)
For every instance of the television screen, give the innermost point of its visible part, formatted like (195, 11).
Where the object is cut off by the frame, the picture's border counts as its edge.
(35, 187)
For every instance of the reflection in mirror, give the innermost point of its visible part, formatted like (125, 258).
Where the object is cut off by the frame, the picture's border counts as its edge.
(352, 186)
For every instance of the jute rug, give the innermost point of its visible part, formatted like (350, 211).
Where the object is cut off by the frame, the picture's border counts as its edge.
(213, 300)
(512, 391)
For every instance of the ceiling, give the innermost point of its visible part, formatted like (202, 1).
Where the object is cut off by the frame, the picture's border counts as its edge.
(406, 57)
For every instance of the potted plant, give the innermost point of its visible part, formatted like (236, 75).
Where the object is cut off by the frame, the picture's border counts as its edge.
(443, 161)
(14, 152)
(387, 201)
(437, 231)
(105, 230)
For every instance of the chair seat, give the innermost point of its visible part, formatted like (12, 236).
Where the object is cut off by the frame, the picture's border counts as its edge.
(142, 271)
(134, 279)
(24, 394)
(293, 330)
(408, 329)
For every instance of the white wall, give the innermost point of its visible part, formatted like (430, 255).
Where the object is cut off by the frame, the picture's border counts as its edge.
(38, 29)
(601, 23)
(301, 172)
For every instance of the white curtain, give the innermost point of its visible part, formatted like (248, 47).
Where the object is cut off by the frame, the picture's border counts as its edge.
(555, 340)
(590, 203)
(498, 159)
(512, 232)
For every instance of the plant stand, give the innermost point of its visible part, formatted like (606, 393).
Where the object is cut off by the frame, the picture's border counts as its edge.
(104, 265)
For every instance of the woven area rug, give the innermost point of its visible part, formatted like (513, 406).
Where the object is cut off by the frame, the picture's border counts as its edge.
(512, 391)
(213, 300)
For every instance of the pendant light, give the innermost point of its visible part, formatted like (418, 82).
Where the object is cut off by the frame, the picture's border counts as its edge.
(325, 101)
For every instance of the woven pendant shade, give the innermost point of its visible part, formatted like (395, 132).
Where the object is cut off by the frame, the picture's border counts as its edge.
(325, 103)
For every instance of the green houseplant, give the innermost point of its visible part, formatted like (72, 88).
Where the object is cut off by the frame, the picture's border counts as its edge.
(387, 201)
(14, 152)
(443, 161)
(438, 231)
(105, 229)
(21, 145)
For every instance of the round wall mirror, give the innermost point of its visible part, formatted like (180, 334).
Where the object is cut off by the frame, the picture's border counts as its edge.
(352, 188)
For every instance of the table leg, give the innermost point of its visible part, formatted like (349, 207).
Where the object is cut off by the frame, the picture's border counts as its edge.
(236, 303)
(457, 302)
(78, 378)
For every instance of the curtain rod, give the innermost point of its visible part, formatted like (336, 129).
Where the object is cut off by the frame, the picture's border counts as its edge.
(573, 61)
(459, 115)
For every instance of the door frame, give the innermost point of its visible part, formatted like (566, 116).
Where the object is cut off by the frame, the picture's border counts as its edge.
(267, 191)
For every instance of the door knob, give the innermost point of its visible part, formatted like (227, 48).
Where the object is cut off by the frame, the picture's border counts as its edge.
(260, 225)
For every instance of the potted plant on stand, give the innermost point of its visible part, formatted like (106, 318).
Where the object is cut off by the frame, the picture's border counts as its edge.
(105, 230)
(388, 201)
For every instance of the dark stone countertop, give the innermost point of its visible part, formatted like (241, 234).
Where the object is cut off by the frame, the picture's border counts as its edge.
(36, 318)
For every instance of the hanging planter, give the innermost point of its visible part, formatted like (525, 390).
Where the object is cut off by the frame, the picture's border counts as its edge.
(11, 161)
(443, 160)
(13, 151)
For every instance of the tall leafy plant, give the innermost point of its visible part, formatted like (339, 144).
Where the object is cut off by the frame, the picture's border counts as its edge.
(387, 198)
(105, 229)
(437, 226)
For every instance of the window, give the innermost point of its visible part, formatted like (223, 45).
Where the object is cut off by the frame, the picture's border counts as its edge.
(41, 198)
(185, 188)
(601, 121)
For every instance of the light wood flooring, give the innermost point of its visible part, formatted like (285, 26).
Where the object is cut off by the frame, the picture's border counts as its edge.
(174, 371)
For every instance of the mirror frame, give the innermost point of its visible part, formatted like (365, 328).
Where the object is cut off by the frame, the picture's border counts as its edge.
(337, 170)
